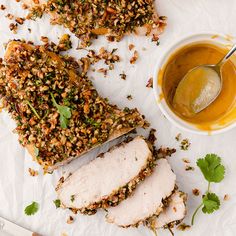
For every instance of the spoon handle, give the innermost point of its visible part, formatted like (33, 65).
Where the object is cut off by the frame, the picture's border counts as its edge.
(227, 56)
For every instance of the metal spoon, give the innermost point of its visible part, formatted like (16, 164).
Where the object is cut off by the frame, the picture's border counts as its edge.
(193, 96)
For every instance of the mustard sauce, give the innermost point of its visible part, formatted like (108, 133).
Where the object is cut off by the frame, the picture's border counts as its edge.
(222, 112)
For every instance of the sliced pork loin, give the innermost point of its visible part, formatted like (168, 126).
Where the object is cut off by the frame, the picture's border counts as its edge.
(108, 179)
(147, 199)
(173, 214)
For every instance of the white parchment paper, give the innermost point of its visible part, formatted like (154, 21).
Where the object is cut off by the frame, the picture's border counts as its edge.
(18, 189)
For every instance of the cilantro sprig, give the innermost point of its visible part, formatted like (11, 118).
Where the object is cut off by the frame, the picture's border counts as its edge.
(32, 209)
(64, 111)
(214, 172)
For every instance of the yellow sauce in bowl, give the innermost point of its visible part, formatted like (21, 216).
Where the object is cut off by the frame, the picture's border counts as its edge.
(222, 112)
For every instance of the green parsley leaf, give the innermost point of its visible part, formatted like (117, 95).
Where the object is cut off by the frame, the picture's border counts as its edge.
(211, 203)
(57, 203)
(212, 168)
(32, 209)
(64, 111)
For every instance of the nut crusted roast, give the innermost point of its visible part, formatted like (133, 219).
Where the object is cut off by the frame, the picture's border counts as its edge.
(113, 18)
(108, 179)
(147, 199)
(59, 114)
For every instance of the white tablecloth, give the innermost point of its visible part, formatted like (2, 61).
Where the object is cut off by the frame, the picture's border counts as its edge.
(18, 189)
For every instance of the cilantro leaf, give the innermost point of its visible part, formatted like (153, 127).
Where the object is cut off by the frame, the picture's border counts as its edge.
(211, 203)
(214, 172)
(32, 209)
(57, 203)
(212, 168)
(64, 111)
(63, 122)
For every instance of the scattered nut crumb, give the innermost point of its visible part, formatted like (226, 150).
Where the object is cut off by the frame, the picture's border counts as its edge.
(129, 97)
(186, 160)
(150, 83)
(188, 168)
(131, 46)
(102, 70)
(196, 192)
(2, 7)
(24, 6)
(92, 57)
(20, 20)
(183, 227)
(155, 38)
(134, 58)
(178, 137)
(9, 16)
(44, 39)
(111, 67)
(29, 30)
(70, 220)
(185, 144)
(13, 27)
(123, 76)
(33, 172)
(226, 197)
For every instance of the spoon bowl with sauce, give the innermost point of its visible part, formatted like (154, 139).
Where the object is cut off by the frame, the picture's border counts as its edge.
(200, 87)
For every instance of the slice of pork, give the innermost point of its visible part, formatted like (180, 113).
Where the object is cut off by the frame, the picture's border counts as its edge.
(108, 179)
(147, 198)
(174, 213)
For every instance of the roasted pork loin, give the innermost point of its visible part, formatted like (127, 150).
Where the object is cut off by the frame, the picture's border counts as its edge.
(108, 179)
(59, 114)
(113, 18)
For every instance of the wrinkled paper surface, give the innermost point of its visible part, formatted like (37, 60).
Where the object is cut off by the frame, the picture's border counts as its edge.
(18, 189)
